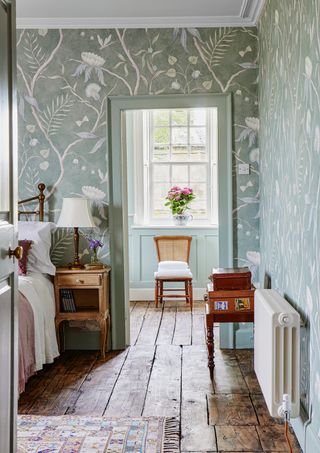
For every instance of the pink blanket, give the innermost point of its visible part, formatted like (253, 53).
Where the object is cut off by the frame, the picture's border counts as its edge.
(27, 357)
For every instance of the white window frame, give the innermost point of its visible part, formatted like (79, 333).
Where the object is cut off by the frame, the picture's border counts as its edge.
(142, 125)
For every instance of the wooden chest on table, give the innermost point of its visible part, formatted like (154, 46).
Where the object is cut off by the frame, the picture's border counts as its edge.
(231, 279)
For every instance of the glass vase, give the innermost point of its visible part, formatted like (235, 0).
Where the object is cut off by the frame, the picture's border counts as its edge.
(94, 257)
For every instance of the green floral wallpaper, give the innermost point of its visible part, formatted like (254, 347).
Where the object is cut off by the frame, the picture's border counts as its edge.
(65, 77)
(290, 167)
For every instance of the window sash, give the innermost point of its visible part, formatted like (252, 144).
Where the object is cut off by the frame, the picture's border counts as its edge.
(171, 143)
(145, 184)
(206, 181)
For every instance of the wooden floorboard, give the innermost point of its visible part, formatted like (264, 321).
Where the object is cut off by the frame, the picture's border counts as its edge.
(66, 375)
(239, 438)
(231, 409)
(150, 327)
(163, 395)
(197, 434)
(167, 327)
(164, 373)
(227, 374)
(182, 332)
(98, 386)
(137, 316)
(130, 390)
(198, 329)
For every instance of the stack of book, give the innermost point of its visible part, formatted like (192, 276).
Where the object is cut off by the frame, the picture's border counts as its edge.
(67, 300)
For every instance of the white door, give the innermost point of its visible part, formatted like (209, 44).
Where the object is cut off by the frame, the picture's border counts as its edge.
(8, 236)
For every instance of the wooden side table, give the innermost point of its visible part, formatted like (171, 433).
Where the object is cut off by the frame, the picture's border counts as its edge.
(226, 306)
(90, 290)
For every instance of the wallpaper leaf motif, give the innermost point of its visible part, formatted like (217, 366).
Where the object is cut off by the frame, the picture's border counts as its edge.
(53, 115)
(290, 168)
(65, 77)
(218, 45)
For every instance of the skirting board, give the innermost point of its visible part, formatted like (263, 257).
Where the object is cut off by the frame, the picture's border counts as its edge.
(148, 293)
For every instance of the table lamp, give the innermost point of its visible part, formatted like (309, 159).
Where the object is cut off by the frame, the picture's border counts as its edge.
(76, 213)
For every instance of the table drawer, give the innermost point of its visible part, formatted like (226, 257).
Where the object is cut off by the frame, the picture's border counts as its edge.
(79, 280)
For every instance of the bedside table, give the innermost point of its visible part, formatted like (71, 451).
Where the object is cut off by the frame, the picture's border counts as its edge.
(89, 292)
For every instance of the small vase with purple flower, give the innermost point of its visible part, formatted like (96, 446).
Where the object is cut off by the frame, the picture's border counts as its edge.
(94, 245)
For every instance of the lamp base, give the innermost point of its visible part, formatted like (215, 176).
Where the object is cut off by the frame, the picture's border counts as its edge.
(76, 260)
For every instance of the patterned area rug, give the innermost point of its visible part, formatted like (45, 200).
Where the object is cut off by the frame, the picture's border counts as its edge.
(72, 434)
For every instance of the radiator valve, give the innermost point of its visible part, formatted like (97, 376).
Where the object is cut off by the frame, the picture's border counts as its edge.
(285, 408)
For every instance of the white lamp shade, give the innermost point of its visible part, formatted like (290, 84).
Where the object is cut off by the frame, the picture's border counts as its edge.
(75, 212)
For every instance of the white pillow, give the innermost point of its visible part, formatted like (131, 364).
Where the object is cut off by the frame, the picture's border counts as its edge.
(39, 253)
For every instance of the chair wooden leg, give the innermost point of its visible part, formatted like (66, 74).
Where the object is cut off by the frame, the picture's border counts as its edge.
(156, 292)
(190, 292)
(161, 291)
(186, 288)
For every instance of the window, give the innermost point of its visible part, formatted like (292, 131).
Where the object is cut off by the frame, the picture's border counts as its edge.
(175, 148)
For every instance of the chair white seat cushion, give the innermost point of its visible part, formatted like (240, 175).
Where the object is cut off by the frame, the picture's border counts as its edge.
(173, 273)
(166, 265)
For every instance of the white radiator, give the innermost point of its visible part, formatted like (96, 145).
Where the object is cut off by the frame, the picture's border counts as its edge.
(277, 350)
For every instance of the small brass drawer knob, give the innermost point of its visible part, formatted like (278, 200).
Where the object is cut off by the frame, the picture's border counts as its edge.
(79, 281)
(17, 252)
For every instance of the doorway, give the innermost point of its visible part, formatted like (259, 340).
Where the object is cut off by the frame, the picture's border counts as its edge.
(118, 209)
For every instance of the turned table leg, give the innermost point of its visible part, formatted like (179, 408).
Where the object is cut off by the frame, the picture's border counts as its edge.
(210, 343)
(103, 336)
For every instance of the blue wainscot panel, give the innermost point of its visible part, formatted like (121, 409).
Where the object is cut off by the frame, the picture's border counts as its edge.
(204, 256)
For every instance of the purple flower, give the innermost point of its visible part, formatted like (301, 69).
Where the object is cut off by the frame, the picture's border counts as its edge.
(94, 244)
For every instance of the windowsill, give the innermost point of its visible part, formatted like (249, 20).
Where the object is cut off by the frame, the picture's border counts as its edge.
(175, 227)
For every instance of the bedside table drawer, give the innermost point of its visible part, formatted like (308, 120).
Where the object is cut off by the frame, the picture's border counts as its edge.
(79, 279)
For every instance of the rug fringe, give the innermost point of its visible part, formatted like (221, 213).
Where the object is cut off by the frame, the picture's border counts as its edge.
(171, 443)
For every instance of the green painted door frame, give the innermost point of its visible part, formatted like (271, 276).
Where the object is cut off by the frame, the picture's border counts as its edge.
(118, 216)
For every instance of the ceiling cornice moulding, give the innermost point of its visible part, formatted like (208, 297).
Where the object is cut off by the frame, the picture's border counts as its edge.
(248, 17)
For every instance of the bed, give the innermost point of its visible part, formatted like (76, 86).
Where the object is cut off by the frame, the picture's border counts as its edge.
(37, 337)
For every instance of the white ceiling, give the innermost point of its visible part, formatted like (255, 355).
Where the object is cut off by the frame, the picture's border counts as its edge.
(137, 13)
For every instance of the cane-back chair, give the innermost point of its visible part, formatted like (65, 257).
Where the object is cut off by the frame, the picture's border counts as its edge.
(173, 255)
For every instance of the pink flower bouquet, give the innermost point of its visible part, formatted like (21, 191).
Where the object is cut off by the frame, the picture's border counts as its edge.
(178, 199)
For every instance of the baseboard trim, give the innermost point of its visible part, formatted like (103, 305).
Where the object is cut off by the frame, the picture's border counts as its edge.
(148, 293)
(307, 438)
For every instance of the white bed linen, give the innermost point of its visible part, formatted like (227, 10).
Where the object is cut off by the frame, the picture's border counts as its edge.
(38, 290)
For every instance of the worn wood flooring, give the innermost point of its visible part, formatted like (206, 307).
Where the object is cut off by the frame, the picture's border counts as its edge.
(164, 373)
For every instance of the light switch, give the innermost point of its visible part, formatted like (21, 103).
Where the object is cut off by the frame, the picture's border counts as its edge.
(244, 169)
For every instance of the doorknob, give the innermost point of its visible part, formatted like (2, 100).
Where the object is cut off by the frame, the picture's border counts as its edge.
(17, 252)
